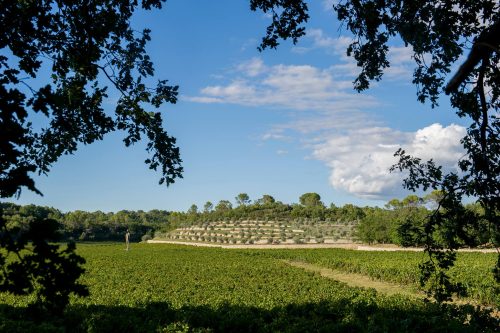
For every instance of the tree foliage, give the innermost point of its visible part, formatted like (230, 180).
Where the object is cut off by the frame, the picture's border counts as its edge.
(193, 210)
(242, 199)
(83, 226)
(439, 33)
(207, 207)
(88, 47)
(80, 43)
(401, 222)
(265, 200)
(310, 199)
(224, 205)
(287, 17)
(46, 270)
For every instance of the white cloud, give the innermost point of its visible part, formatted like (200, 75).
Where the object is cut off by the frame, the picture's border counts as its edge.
(249, 43)
(202, 99)
(442, 144)
(295, 87)
(267, 15)
(328, 4)
(401, 63)
(360, 159)
(236, 92)
(300, 49)
(320, 40)
(275, 135)
(401, 54)
(360, 152)
(347, 69)
(400, 57)
(317, 101)
(304, 87)
(253, 67)
(317, 125)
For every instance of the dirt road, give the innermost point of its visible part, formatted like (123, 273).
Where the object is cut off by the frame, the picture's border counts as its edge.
(350, 246)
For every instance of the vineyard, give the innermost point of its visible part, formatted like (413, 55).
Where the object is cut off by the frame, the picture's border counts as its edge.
(472, 269)
(265, 232)
(167, 288)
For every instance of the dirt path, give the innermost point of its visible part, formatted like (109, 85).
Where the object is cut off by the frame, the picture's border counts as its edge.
(356, 280)
(363, 281)
(349, 246)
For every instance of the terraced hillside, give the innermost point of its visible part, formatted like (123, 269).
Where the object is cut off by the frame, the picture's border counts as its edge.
(265, 232)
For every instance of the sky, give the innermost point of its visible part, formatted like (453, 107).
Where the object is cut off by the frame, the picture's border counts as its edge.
(280, 122)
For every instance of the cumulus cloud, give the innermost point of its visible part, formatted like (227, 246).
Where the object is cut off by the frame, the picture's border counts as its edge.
(438, 142)
(360, 159)
(360, 152)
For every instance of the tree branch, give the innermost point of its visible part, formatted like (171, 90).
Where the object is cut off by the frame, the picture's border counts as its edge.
(484, 105)
(487, 42)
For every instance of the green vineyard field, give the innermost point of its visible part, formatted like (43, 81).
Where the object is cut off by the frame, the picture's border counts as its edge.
(473, 269)
(168, 288)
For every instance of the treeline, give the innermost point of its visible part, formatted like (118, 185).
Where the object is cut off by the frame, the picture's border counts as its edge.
(402, 222)
(88, 226)
(310, 207)
(399, 222)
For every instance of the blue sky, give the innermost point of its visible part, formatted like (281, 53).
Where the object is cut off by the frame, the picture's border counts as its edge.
(281, 122)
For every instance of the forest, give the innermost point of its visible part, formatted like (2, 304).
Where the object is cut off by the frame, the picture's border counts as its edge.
(399, 222)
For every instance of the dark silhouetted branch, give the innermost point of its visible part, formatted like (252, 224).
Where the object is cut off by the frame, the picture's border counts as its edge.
(488, 42)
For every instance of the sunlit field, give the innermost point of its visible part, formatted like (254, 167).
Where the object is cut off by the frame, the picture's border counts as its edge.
(168, 288)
